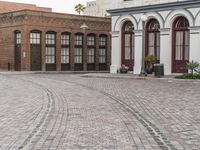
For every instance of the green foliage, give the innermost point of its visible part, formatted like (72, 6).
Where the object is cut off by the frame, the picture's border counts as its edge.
(188, 76)
(123, 69)
(192, 67)
(150, 60)
(194, 72)
(79, 8)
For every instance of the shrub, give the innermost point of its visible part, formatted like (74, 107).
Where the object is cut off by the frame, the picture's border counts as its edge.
(150, 60)
(188, 76)
(192, 67)
(123, 69)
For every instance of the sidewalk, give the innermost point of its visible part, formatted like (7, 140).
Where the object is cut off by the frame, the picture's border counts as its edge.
(170, 78)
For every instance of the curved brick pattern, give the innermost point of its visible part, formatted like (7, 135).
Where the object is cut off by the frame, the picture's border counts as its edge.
(52, 111)
(171, 106)
(21, 109)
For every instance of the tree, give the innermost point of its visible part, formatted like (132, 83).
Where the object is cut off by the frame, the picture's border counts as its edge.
(79, 8)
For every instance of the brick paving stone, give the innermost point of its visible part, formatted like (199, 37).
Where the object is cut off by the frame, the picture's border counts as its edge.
(63, 111)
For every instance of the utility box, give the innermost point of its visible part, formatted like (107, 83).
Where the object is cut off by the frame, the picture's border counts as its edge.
(159, 70)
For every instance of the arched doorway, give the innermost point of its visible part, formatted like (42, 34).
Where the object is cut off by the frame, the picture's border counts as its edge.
(153, 39)
(128, 45)
(18, 50)
(180, 45)
(35, 50)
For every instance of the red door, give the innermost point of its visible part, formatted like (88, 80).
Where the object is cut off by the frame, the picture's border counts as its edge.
(128, 45)
(180, 51)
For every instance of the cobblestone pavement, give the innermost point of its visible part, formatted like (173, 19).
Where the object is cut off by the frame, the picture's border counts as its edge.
(67, 111)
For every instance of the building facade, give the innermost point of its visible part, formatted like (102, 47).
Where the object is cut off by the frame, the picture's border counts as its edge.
(98, 8)
(171, 34)
(38, 40)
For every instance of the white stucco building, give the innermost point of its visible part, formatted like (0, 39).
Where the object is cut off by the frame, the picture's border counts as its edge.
(97, 8)
(172, 33)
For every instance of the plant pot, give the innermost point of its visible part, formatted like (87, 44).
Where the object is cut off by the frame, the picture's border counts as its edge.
(149, 70)
(123, 71)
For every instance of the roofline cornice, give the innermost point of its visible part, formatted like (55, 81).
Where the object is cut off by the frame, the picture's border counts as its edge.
(156, 7)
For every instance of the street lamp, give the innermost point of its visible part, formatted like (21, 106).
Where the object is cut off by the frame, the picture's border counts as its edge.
(143, 19)
(84, 26)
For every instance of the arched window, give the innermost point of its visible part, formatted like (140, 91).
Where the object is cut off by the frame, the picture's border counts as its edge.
(91, 44)
(128, 45)
(102, 52)
(153, 38)
(180, 53)
(50, 51)
(18, 40)
(78, 51)
(35, 50)
(65, 51)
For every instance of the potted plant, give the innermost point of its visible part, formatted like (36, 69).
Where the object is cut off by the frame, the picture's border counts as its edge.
(124, 69)
(150, 60)
(192, 67)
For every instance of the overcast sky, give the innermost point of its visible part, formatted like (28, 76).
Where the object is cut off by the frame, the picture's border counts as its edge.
(66, 6)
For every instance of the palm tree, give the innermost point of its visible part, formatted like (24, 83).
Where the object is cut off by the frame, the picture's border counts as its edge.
(79, 8)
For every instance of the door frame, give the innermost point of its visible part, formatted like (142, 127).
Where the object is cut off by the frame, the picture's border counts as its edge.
(17, 51)
(131, 33)
(174, 31)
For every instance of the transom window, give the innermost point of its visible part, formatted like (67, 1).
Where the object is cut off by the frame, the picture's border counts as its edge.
(102, 41)
(128, 27)
(181, 23)
(91, 40)
(79, 40)
(50, 38)
(18, 37)
(35, 38)
(65, 39)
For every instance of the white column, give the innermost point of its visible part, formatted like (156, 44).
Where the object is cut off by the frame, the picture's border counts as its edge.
(138, 52)
(194, 44)
(115, 52)
(166, 50)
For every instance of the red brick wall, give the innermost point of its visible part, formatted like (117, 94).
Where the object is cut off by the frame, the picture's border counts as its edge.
(10, 6)
(26, 21)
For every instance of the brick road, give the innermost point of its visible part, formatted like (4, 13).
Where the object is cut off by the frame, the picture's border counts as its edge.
(66, 111)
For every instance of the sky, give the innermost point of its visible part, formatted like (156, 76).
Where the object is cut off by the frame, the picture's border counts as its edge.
(64, 6)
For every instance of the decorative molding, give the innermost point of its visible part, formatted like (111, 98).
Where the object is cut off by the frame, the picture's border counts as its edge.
(156, 7)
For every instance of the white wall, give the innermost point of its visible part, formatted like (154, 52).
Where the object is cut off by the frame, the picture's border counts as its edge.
(116, 52)
(99, 7)
(195, 44)
(166, 50)
(138, 52)
(122, 3)
(165, 19)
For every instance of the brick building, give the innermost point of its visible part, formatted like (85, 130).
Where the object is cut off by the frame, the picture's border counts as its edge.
(41, 40)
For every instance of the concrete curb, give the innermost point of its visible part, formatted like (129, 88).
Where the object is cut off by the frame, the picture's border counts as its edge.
(119, 76)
